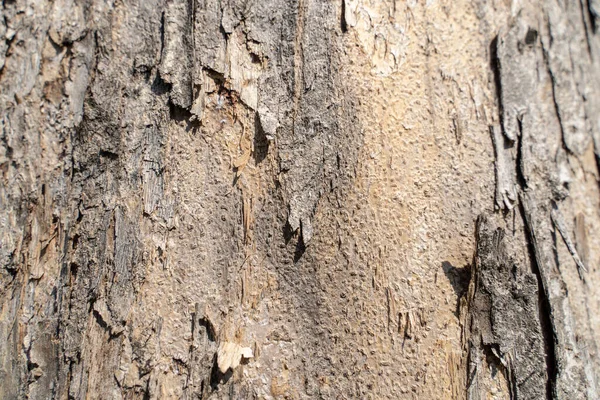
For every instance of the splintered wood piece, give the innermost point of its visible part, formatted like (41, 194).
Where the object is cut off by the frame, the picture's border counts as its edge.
(229, 355)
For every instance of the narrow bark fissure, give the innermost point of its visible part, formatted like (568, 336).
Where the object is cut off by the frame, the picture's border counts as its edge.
(495, 66)
(593, 14)
(548, 330)
(343, 22)
(582, 8)
(521, 179)
(161, 31)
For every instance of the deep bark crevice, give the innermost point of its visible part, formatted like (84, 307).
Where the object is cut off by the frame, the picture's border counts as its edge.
(548, 331)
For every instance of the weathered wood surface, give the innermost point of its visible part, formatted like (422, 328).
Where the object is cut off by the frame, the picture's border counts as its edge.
(292, 189)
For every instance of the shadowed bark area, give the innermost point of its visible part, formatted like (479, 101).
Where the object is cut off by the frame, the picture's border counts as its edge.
(306, 199)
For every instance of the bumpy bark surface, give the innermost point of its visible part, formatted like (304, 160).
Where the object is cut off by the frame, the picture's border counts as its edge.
(306, 199)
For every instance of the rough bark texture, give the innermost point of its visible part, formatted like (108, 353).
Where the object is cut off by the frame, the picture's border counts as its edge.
(307, 199)
(504, 319)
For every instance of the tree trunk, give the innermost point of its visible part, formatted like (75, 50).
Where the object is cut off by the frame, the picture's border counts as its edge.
(309, 199)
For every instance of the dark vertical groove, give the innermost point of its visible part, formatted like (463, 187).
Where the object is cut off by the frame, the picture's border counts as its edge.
(545, 53)
(343, 22)
(495, 65)
(521, 180)
(162, 36)
(548, 331)
(582, 8)
(592, 15)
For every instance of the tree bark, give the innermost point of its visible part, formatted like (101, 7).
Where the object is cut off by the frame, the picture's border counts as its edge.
(307, 199)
